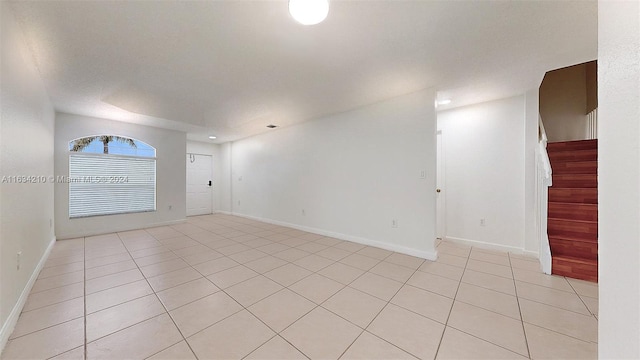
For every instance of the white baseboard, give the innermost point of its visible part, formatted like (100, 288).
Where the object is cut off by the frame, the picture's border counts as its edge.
(12, 320)
(364, 241)
(120, 229)
(491, 246)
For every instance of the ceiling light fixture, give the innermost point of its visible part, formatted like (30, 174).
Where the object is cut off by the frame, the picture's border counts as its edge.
(212, 137)
(309, 12)
(444, 102)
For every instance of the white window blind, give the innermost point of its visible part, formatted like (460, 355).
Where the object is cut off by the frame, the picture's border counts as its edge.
(110, 184)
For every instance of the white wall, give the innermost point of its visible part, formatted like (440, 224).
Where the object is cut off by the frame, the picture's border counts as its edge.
(619, 179)
(532, 111)
(485, 162)
(563, 103)
(202, 148)
(351, 173)
(26, 149)
(225, 178)
(170, 176)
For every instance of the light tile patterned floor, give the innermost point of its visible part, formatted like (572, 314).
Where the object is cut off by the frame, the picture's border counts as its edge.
(224, 287)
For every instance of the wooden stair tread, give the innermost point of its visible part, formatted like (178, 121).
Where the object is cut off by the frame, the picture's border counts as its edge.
(571, 203)
(575, 268)
(574, 220)
(572, 145)
(576, 259)
(578, 155)
(577, 249)
(572, 195)
(575, 167)
(575, 176)
(574, 180)
(571, 238)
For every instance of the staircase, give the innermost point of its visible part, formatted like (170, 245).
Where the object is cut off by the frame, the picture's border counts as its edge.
(572, 223)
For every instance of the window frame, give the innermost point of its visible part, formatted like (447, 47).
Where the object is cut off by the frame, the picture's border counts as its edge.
(108, 183)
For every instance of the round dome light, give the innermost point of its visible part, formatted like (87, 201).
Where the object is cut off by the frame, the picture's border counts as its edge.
(309, 12)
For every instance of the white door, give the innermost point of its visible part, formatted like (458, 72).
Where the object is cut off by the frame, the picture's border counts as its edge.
(440, 197)
(199, 184)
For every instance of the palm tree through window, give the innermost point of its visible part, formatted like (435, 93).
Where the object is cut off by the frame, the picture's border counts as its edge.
(83, 143)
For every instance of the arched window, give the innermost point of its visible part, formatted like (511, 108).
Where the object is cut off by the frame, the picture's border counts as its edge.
(111, 174)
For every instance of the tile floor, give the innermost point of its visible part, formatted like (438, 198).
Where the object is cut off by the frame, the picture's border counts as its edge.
(224, 287)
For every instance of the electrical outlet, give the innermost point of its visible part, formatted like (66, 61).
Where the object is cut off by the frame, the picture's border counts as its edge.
(394, 223)
(18, 256)
(238, 202)
(303, 213)
(423, 174)
(483, 222)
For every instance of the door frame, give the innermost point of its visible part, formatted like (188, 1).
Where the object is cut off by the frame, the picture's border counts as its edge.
(441, 223)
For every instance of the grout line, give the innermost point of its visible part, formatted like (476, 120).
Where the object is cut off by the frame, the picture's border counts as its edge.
(56, 287)
(242, 306)
(45, 328)
(305, 314)
(559, 333)
(84, 299)
(53, 303)
(538, 284)
(228, 223)
(581, 300)
(524, 332)
(486, 341)
(453, 303)
(559, 308)
(163, 306)
(174, 344)
(380, 311)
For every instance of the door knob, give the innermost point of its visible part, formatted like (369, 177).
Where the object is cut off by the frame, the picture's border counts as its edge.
(209, 182)
(438, 190)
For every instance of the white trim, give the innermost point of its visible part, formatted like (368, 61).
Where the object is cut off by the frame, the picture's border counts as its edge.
(364, 241)
(12, 319)
(533, 254)
(491, 246)
(544, 180)
(119, 229)
(592, 124)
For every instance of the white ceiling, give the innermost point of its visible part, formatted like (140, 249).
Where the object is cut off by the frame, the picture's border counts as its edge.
(230, 68)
